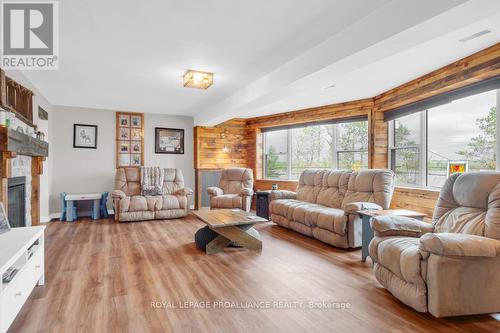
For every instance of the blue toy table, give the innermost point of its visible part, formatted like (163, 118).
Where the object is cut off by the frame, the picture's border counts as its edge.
(98, 207)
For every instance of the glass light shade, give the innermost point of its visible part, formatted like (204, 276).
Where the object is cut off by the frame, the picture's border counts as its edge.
(198, 79)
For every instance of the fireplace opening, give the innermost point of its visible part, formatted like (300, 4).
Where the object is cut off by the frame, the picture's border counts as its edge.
(17, 201)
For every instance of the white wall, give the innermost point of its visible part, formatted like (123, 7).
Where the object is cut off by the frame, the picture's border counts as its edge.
(43, 126)
(79, 170)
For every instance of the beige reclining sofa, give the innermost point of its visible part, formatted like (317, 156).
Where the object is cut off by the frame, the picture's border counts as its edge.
(326, 201)
(130, 205)
(452, 266)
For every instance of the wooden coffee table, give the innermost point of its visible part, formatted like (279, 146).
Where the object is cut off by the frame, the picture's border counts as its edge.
(367, 231)
(231, 226)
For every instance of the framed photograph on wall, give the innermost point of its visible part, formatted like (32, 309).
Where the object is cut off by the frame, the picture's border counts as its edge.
(129, 139)
(169, 141)
(136, 121)
(124, 120)
(84, 136)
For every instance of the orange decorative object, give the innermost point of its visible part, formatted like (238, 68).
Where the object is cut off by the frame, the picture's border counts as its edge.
(457, 167)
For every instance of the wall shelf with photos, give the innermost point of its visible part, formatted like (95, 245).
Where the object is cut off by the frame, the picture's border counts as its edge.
(129, 139)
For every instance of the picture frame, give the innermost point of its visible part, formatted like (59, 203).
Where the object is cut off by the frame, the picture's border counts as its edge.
(124, 147)
(124, 120)
(85, 136)
(124, 133)
(124, 160)
(129, 139)
(135, 147)
(4, 220)
(136, 121)
(135, 134)
(169, 140)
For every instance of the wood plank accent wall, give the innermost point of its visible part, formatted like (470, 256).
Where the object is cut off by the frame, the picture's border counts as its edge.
(351, 109)
(474, 68)
(209, 143)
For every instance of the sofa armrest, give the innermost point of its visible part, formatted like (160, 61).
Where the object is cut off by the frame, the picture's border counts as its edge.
(246, 192)
(460, 245)
(118, 194)
(184, 191)
(214, 191)
(392, 225)
(282, 194)
(354, 207)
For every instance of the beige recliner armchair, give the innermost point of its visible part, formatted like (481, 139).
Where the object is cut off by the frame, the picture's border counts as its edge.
(235, 190)
(452, 266)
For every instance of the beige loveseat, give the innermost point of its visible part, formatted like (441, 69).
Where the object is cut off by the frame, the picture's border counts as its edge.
(326, 203)
(452, 266)
(235, 189)
(130, 205)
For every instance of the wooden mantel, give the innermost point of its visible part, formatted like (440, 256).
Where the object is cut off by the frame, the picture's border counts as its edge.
(13, 143)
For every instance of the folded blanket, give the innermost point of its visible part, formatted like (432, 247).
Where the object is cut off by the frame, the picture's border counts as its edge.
(152, 180)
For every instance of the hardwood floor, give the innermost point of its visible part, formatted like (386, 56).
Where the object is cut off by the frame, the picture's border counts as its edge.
(103, 276)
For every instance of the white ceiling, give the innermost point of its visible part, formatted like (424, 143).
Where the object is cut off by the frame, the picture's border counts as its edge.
(268, 56)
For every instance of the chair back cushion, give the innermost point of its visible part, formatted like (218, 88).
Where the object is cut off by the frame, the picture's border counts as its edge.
(469, 203)
(310, 182)
(373, 185)
(128, 180)
(232, 180)
(173, 180)
(333, 188)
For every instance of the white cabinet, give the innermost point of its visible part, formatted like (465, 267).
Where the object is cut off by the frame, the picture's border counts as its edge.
(22, 248)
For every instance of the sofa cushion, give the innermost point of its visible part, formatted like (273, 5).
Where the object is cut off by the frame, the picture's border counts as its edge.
(309, 185)
(374, 185)
(333, 188)
(307, 213)
(169, 202)
(400, 255)
(173, 180)
(281, 206)
(332, 219)
(226, 201)
(136, 203)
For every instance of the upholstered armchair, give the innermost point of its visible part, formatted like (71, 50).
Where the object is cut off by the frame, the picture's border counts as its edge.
(452, 266)
(235, 190)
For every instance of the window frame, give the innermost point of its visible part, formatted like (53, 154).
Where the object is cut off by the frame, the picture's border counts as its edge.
(424, 153)
(335, 152)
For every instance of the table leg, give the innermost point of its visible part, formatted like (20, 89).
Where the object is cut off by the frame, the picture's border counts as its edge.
(240, 237)
(217, 245)
(96, 208)
(367, 236)
(69, 211)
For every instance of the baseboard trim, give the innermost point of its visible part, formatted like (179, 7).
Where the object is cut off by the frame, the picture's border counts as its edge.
(57, 215)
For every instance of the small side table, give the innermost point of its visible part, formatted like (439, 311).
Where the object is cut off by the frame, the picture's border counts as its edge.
(367, 231)
(262, 204)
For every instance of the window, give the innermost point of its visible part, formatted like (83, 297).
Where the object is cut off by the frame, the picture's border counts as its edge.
(289, 151)
(426, 144)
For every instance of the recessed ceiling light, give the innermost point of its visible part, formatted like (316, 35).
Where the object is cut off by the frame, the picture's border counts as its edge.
(198, 79)
(473, 36)
(329, 87)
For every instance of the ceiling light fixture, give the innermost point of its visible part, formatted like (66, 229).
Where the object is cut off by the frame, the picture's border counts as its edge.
(198, 79)
(473, 36)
